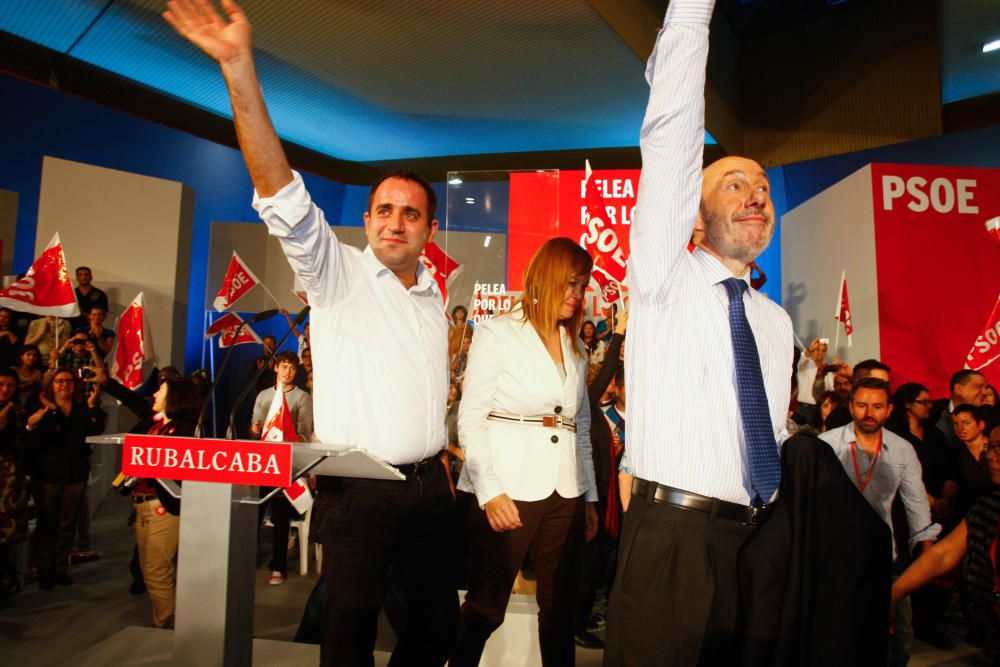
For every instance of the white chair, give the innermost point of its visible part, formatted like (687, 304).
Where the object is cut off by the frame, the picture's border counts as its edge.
(301, 527)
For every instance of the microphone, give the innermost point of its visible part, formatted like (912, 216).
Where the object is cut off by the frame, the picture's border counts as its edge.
(230, 429)
(264, 314)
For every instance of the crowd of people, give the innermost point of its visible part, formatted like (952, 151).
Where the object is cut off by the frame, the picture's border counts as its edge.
(510, 437)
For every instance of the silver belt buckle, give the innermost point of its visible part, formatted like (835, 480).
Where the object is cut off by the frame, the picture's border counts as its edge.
(755, 515)
(552, 421)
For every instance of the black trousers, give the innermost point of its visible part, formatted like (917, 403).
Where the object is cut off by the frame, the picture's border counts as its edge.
(56, 523)
(555, 526)
(675, 599)
(282, 514)
(370, 527)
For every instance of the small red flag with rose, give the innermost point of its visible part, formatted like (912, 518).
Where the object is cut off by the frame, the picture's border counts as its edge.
(238, 281)
(279, 427)
(133, 345)
(45, 289)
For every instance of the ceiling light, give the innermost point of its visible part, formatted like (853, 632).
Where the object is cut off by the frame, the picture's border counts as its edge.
(470, 200)
(455, 180)
(992, 45)
(486, 241)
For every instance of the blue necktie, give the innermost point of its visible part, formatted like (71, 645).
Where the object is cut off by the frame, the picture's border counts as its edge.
(762, 449)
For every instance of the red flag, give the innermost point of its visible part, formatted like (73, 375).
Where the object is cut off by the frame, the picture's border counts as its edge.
(279, 427)
(843, 313)
(133, 345)
(993, 228)
(601, 240)
(986, 349)
(443, 268)
(45, 289)
(610, 290)
(228, 324)
(238, 281)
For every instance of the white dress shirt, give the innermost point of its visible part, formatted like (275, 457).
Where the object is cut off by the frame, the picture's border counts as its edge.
(685, 429)
(806, 379)
(511, 372)
(380, 350)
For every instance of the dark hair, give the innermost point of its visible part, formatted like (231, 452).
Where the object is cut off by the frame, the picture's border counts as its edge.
(183, 400)
(906, 394)
(271, 337)
(620, 375)
(82, 268)
(833, 396)
(97, 307)
(962, 377)
(976, 413)
(454, 311)
(168, 373)
(286, 356)
(407, 175)
(864, 368)
(29, 348)
(50, 376)
(8, 372)
(876, 384)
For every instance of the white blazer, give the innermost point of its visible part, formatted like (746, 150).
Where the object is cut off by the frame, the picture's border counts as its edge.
(510, 371)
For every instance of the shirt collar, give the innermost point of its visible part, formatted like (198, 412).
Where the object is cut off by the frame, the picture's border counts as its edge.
(850, 436)
(713, 270)
(425, 282)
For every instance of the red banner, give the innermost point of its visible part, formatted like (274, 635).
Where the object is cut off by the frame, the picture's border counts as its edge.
(601, 238)
(228, 324)
(937, 267)
(238, 281)
(45, 289)
(131, 340)
(610, 290)
(443, 268)
(250, 462)
(986, 349)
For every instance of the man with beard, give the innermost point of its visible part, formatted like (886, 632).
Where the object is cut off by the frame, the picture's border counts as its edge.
(707, 371)
(882, 464)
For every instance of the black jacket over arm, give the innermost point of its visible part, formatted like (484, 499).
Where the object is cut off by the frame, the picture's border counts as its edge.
(815, 579)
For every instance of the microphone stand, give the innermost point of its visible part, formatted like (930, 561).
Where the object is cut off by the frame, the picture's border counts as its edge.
(230, 429)
(199, 428)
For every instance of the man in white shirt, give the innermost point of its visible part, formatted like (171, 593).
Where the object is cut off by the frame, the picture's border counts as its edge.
(381, 372)
(708, 371)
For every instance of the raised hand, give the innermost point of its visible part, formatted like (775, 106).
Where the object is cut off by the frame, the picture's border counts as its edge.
(198, 22)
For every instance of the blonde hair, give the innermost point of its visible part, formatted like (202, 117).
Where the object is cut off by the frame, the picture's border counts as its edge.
(555, 263)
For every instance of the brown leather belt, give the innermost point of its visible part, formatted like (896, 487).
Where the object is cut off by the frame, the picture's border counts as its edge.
(746, 514)
(550, 421)
(418, 468)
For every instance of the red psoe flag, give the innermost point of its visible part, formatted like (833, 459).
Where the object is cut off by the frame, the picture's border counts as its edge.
(227, 325)
(986, 348)
(601, 239)
(279, 427)
(843, 313)
(993, 228)
(238, 281)
(610, 290)
(442, 268)
(45, 289)
(134, 346)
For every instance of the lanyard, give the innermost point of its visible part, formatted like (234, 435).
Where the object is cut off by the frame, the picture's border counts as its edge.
(857, 473)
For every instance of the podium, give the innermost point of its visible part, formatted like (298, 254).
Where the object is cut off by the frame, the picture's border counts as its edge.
(218, 528)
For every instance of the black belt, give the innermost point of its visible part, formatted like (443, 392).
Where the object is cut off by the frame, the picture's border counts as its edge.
(418, 468)
(137, 499)
(746, 514)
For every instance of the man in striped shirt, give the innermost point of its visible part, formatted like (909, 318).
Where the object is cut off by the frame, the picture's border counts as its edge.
(675, 596)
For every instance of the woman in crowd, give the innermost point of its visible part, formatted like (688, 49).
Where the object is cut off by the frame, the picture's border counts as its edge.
(910, 419)
(524, 423)
(826, 404)
(459, 329)
(29, 374)
(973, 478)
(174, 411)
(60, 466)
(973, 539)
(588, 336)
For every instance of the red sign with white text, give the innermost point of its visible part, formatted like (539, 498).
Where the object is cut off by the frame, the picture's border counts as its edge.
(248, 462)
(938, 274)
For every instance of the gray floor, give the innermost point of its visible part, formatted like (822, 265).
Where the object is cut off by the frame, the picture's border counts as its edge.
(52, 628)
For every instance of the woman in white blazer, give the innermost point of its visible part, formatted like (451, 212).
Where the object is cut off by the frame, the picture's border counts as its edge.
(524, 423)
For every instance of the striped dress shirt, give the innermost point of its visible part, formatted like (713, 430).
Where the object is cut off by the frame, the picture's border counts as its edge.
(684, 421)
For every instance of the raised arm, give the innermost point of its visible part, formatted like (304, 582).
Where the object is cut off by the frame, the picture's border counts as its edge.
(228, 42)
(672, 143)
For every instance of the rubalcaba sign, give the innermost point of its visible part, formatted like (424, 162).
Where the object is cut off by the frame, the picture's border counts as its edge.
(249, 462)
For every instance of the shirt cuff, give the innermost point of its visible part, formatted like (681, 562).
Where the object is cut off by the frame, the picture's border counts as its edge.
(288, 206)
(931, 532)
(689, 12)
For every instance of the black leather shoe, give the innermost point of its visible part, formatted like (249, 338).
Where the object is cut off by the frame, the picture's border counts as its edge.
(588, 639)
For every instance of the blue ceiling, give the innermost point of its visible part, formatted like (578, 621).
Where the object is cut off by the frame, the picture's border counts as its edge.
(358, 80)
